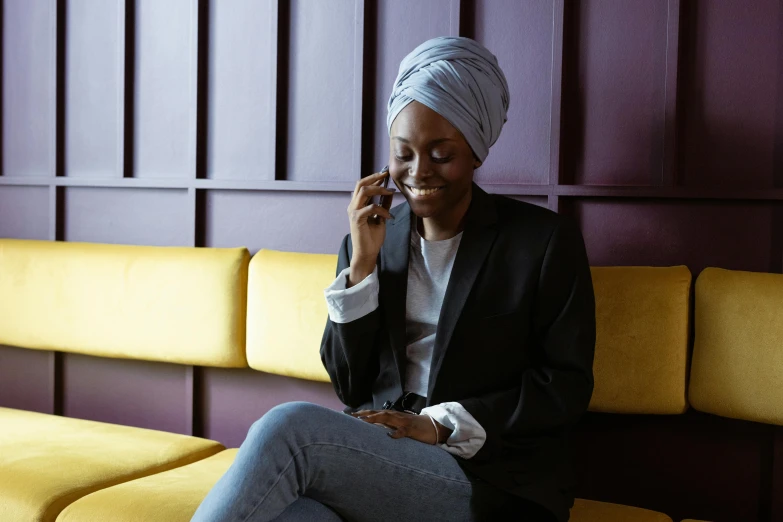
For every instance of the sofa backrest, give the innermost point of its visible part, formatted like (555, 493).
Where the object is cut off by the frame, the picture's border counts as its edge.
(286, 312)
(641, 353)
(180, 305)
(737, 365)
(642, 315)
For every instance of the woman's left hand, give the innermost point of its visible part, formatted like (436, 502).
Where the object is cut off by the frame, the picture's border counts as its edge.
(416, 427)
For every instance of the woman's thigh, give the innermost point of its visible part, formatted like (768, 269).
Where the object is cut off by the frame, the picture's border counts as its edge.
(359, 471)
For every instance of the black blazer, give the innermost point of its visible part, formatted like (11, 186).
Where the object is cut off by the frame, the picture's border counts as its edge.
(514, 342)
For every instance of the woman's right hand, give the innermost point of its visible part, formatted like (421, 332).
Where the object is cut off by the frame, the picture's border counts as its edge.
(367, 237)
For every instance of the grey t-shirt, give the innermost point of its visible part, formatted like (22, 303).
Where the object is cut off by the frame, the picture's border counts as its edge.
(429, 269)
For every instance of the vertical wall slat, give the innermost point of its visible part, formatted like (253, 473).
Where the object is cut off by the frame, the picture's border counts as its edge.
(558, 21)
(165, 89)
(398, 28)
(520, 34)
(455, 10)
(94, 82)
(241, 101)
(669, 174)
(323, 122)
(358, 78)
(29, 88)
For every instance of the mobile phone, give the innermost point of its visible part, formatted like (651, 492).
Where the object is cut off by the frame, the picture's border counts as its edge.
(380, 200)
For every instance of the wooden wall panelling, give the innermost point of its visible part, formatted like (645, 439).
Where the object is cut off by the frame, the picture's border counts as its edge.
(94, 45)
(29, 88)
(242, 91)
(394, 29)
(128, 216)
(146, 394)
(25, 212)
(664, 233)
(732, 83)
(233, 399)
(616, 56)
(26, 379)
(521, 35)
(291, 221)
(669, 164)
(165, 88)
(324, 113)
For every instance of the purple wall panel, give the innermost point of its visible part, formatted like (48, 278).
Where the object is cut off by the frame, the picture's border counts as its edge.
(127, 216)
(541, 201)
(242, 75)
(619, 111)
(324, 86)
(25, 379)
(25, 212)
(94, 91)
(734, 83)
(520, 34)
(401, 25)
(135, 393)
(165, 89)
(314, 222)
(658, 233)
(29, 84)
(233, 399)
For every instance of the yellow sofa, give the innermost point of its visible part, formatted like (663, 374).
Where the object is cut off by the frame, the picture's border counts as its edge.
(640, 367)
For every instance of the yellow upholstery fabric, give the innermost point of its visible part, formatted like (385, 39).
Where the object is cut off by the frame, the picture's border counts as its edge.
(181, 305)
(592, 511)
(286, 312)
(171, 496)
(641, 351)
(47, 462)
(738, 351)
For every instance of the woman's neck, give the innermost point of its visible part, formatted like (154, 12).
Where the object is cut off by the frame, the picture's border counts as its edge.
(438, 228)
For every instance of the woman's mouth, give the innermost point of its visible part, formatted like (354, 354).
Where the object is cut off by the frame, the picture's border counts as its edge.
(423, 192)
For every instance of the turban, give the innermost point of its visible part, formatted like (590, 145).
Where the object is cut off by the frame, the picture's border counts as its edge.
(459, 79)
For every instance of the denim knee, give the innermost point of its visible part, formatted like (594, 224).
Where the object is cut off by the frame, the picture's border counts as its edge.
(284, 420)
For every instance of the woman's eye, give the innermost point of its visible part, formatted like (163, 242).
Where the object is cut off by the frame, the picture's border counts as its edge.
(403, 158)
(442, 160)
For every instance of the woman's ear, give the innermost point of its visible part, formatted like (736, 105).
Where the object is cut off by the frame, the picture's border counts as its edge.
(476, 164)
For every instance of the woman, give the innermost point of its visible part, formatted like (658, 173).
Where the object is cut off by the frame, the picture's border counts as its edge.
(460, 335)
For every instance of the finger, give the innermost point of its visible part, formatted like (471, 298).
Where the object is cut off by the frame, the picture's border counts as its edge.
(363, 214)
(363, 412)
(363, 194)
(399, 433)
(369, 180)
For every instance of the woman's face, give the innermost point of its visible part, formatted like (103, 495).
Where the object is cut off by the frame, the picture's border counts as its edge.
(429, 161)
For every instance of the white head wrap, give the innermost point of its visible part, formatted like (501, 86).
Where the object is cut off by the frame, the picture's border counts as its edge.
(459, 79)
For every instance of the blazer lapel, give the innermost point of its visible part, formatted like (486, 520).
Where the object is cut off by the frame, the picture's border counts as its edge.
(477, 238)
(394, 283)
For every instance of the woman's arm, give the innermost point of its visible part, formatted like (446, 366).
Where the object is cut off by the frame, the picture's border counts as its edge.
(348, 349)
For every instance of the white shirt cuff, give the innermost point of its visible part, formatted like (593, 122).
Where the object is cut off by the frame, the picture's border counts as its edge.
(467, 436)
(349, 304)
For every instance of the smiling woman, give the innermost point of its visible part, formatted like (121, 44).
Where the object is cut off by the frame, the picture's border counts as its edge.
(460, 335)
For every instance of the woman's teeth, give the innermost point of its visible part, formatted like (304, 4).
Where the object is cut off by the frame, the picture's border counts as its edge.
(423, 192)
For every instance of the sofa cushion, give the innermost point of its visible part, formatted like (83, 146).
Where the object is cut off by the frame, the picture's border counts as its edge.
(174, 496)
(287, 312)
(181, 305)
(593, 511)
(47, 462)
(641, 353)
(737, 368)
(171, 496)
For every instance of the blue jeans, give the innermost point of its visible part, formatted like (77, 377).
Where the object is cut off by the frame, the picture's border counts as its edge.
(305, 462)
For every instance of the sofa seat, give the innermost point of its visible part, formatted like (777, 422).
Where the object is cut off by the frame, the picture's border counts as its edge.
(593, 511)
(48, 462)
(174, 496)
(171, 496)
